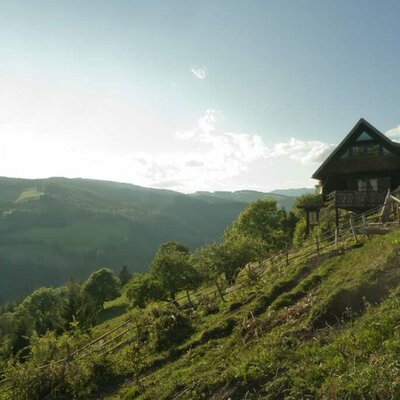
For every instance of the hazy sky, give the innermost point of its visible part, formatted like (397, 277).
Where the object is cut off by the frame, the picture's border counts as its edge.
(192, 95)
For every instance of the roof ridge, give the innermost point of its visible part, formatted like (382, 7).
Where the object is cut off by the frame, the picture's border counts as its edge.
(360, 122)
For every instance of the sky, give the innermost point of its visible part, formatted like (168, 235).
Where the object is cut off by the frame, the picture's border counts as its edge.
(192, 95)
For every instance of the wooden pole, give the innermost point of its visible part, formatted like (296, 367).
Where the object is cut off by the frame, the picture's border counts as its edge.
(385, 208)
(353, 231)
(317, 243)
(189, 299)
(336, 236)
(398, 214)
(337, 218)
(287, 254)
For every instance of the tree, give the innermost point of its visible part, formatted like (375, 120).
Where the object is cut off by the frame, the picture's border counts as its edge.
(262, 221)
(171, 268)
(42, 310)
(7, 307)
(289, 224)
(39, 312)
(124, 275)
(142, 289)
(102, 286)
(227, 258)
(308, 198)
(73, 301)
(14, 333)
(88, 311)
(300, 233)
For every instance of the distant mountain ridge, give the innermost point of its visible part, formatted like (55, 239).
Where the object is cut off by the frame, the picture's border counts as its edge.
(285, 198)
(57, 228)
(294, 192)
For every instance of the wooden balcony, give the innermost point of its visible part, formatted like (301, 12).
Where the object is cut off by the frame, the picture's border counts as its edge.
(354, 200)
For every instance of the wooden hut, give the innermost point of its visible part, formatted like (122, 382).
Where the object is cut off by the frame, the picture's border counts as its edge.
(359, 172)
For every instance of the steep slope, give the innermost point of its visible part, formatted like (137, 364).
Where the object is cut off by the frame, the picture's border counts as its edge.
(54, 229)
(327, 329)
(324, 327)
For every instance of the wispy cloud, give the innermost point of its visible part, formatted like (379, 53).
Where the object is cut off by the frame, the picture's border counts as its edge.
(67, 133)
(215, 156)
(394, 133)
(242, 147)
(205, 157)
(208, 122)
(199, 72)
(306, 152)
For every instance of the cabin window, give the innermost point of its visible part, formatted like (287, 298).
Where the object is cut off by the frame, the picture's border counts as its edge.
(372, 150)
(313, 218)
(362, 185)
(358, 151)
(373, 185)
(364, 136)
(367, 185)
(386, 152)
(369, 150)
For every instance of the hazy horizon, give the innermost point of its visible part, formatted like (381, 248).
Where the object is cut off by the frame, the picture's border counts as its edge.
(150, 187)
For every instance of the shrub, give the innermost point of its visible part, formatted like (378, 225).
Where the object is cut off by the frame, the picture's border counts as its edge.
(251, 273)
(300, 233)
(208, 305)
(253, 327)
(142, 289)
(101, 371)
(102, 286)
(170, 327)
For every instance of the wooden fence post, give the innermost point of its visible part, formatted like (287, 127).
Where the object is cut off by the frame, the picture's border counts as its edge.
(336, 236)
(353, 231)
(364, 221)
(317, 243)
(336, 215)
(189, 299)
(287, 254)
(398, 214)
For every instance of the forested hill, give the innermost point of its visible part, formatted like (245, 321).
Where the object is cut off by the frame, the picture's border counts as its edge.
(284, 198)
(57, 228)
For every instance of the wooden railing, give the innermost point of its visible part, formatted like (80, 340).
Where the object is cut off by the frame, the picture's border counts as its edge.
(357, 200)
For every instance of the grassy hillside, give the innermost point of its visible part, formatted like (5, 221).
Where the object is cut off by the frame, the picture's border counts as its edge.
(57, 228)
(327, 328)
(324, 328)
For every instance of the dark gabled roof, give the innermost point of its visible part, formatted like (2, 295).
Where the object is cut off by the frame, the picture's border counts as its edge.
(361, 125)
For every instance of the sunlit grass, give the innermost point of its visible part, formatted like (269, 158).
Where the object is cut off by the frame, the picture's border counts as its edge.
(29, 195)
